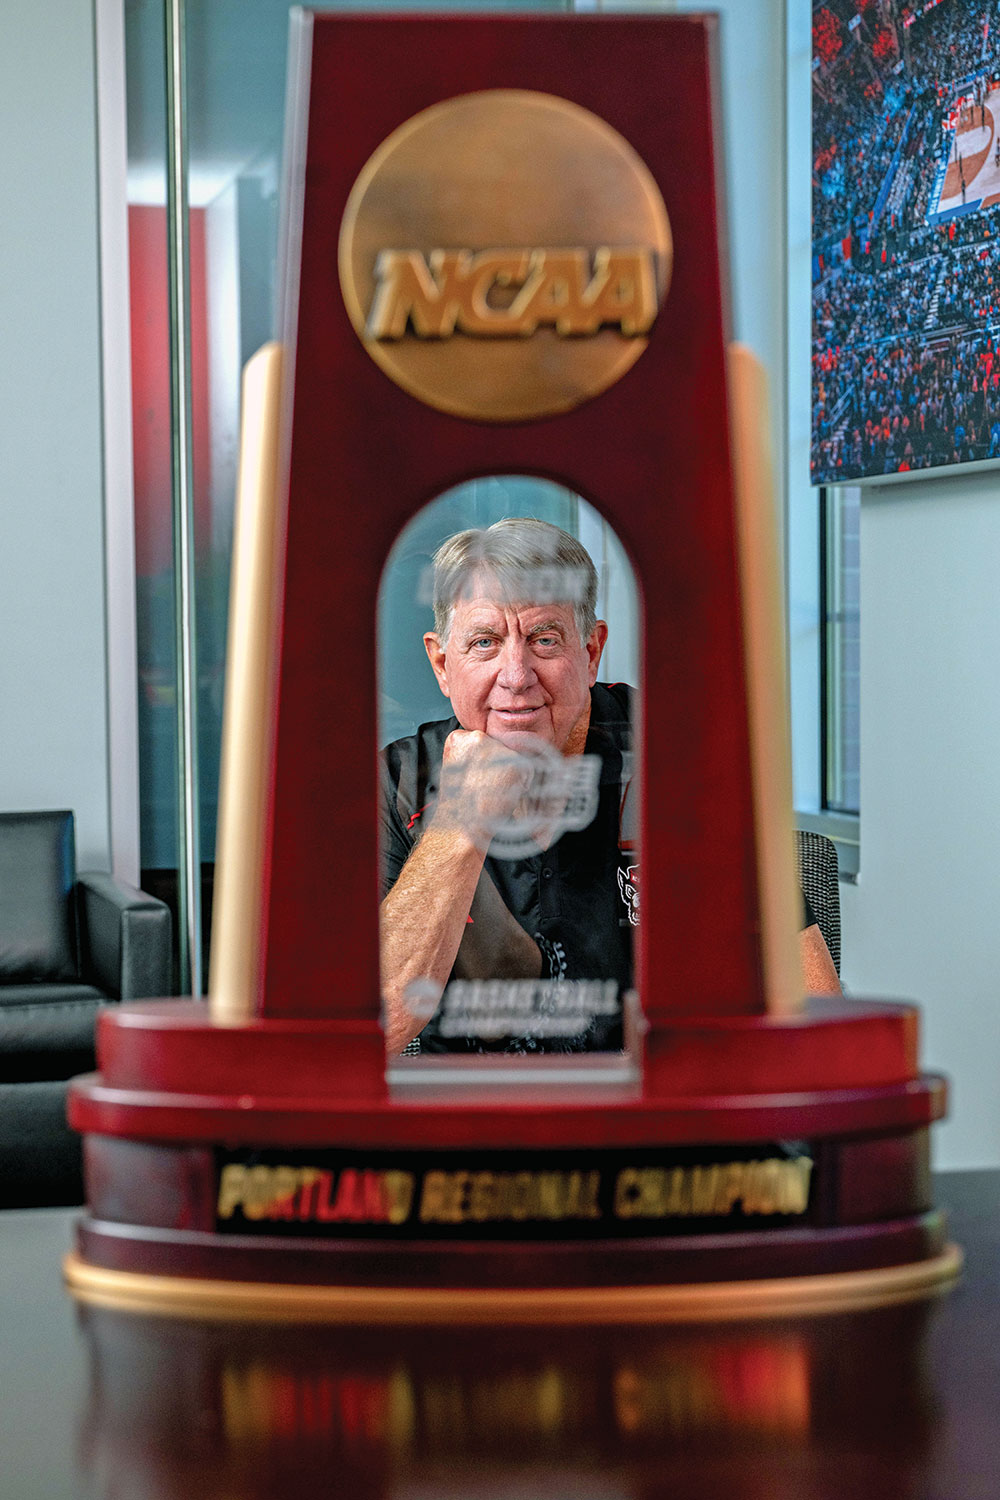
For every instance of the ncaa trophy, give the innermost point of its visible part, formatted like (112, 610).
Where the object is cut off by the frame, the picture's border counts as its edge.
(506, 260)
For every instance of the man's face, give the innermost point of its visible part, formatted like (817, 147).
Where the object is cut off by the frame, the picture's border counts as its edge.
(513, 669)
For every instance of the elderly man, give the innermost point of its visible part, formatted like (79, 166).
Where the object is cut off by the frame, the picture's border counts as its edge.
(516, 648)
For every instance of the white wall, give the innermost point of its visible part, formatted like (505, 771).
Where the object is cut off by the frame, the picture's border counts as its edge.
(53, 679)
(922, 921)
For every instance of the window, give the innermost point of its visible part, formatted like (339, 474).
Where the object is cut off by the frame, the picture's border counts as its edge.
(840, 519)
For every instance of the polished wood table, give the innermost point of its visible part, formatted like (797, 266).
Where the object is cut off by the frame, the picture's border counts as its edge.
(897, 1404)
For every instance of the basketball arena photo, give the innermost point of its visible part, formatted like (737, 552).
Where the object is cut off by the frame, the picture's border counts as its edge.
(906, 236)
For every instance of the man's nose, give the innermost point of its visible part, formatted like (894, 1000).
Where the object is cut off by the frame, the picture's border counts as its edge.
(516, 671)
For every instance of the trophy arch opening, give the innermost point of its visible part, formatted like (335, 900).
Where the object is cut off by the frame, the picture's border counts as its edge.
(509, 660)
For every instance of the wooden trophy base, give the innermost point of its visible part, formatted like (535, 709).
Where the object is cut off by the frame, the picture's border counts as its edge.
(762, 1165)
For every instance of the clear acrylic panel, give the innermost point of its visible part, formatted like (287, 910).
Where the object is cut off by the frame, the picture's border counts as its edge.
(490, 731)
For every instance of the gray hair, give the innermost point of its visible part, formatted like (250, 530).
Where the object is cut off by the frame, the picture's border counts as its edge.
(525, 560)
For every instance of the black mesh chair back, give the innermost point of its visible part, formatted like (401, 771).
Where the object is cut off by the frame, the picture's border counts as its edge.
(819, 878)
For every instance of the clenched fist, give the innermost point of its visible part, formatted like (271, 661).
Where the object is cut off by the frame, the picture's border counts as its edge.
(487, 785)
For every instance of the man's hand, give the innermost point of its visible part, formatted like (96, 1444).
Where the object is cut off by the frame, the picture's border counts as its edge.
(483, 782)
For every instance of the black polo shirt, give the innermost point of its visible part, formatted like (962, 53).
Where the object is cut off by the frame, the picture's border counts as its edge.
(578, 899)
(570, 898)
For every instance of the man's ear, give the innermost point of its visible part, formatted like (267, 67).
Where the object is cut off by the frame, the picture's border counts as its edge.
(435, 655)
(595, 648)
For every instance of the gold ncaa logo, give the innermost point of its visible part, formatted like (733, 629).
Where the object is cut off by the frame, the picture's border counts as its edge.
(503, 255)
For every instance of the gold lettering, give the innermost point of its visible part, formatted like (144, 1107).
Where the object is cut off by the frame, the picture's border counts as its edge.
(775, 1186)
(461, 1182)
(627, 1194)
(478, 1197)
(794, 1195)
(443, 1197)
(551, 1195)
(654, 1192)
(623, 291)
(483, 1197)
(730, 1185)
(704, 1185)
(399, 1196)
(574, 1196)
(590, 1208)
(284, 1185)
(767, 1187)
(488, 270)
(714, 1189)
(678, 1201)
(555, 294)
(258, 1196)
(408, 289)
(520, 1207)
(232, 1185)
(512, 293)
(751, 1175)
(432, 1198)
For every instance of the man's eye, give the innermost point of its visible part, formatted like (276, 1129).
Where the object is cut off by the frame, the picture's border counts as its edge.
(482, 642)
(546, 640)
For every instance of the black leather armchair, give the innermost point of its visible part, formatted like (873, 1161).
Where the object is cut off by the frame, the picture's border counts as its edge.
(68, 944)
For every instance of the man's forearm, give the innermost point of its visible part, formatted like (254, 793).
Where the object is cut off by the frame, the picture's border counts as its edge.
(818, 969)
(423, 920)
(425, 924)
(494, 945)
(426, 931)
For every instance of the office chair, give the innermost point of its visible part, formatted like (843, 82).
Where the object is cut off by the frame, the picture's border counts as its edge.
(69, 944)
(819, 878)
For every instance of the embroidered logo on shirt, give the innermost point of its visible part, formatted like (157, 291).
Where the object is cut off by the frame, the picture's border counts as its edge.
(628, 885)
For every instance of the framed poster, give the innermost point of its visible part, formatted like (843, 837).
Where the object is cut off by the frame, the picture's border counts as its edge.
(906, 248)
